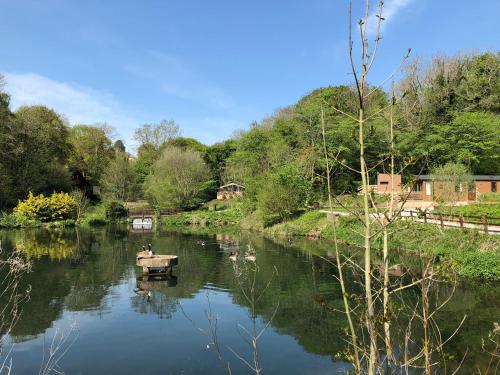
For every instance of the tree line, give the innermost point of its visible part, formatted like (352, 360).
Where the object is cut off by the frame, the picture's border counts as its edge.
(449, 112)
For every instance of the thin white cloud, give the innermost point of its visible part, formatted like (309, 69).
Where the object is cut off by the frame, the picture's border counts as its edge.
(79, 104)
(175, 78)
(390, 10)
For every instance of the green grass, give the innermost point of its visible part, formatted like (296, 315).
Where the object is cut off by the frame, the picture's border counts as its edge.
(228, 217)
(12, 220)
(472, 254)
(491, 211)
(95, 217)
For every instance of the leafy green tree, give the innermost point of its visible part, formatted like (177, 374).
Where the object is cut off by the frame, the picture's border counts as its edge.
(185, 143)
(146, 156)
(119, 146)
(115, 209)
(471, 138)
(450, 181)
(118, 179)
(34, 148)
(216, 158)
(283, 194)
(8, 190)
(179, 179)
(91, 152)
(41, 148)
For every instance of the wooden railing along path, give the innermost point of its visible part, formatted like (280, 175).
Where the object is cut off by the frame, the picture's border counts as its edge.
(485, 223)
(150, 213)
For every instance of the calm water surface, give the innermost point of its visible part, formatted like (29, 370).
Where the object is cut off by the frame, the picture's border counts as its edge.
(85, 286)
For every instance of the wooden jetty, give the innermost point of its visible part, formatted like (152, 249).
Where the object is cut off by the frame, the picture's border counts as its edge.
(156, 264)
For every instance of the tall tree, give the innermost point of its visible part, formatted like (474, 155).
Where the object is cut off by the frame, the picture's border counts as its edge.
(41, 149)
(118, 177)
(178, 180)
(157, 134)
(91, 152)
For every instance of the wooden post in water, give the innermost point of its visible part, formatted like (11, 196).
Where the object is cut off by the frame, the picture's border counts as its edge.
(485, 223)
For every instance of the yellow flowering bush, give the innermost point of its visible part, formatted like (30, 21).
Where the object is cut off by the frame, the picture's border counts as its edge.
(58, 206)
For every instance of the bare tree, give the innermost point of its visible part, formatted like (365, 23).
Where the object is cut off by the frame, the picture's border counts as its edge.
(157, 134)
(369, 315)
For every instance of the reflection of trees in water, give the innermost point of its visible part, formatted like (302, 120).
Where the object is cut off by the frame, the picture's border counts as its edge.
(76, 279)
(152, 296)
(159, 304)
(305, 285)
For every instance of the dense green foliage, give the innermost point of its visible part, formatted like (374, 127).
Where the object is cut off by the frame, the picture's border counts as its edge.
(179, 179)
(227, 217)
(449, 114)
(282, 194)
(115, 210)
(491, 211)
(91, 151)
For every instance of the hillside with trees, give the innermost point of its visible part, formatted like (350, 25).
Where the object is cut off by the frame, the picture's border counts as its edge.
(449, 112)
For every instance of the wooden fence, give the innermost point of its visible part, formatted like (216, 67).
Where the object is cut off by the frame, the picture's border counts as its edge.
(485, 223)
(151, 213)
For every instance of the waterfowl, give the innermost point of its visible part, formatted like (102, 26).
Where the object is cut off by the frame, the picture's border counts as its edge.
(251, 258)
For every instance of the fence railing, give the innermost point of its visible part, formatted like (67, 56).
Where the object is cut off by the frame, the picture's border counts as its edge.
(485, 222)
(151, 212)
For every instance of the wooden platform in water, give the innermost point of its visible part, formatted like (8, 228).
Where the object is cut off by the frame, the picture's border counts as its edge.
(154, 264)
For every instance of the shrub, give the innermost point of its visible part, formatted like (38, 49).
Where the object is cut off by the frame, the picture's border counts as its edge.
(14, 220)
(59, 206)
(94, 219)
(62, 206)
(283, 194)
(115, 210)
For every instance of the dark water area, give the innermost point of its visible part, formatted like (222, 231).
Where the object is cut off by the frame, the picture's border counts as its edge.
(87, 290)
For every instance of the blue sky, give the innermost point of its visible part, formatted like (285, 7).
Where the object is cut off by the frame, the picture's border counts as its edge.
(213, 66)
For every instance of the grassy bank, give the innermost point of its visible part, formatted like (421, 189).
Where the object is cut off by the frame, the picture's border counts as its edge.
(490, 210)
(12, 221)
(230, 216)
(472, 254)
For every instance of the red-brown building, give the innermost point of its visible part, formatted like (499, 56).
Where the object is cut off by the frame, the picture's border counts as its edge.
(427, 190)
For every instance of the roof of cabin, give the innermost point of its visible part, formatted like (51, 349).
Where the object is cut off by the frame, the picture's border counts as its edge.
(231, 184)
(479, 177)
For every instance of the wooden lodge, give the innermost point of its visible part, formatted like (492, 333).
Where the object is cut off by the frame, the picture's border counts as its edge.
(230, 191)
(425, 189)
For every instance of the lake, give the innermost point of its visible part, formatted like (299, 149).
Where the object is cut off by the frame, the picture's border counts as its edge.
(89, 297)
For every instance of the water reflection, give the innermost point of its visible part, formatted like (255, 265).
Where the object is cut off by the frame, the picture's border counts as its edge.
(152, 296)
(93, 272)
